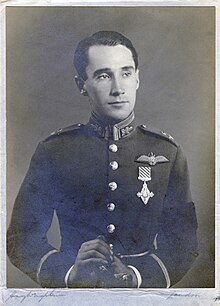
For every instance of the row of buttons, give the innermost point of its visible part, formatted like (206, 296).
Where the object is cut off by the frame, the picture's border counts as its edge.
(113, 186)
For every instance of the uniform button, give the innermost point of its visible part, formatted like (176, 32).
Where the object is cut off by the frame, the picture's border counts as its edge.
(113, 186)
(111, 228)
(111, 206)
(114, 165)
(111, 246)
(113, 148)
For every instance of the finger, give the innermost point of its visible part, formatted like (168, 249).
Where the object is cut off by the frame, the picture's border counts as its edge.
(116, 260)
(98, 240)
(91, 254)
(118, 266)
(101, 237)
(94, 261)
(97, 246)
(103, 242)
(107, 246)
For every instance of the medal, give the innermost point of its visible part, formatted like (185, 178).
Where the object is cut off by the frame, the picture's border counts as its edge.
(145, 175)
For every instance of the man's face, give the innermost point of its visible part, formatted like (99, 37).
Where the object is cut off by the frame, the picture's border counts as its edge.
(112, 81)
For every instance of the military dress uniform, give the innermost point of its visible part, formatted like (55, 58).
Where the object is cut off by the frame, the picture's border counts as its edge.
(129, 184)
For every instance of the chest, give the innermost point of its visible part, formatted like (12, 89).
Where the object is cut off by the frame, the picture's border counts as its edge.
(98, 170)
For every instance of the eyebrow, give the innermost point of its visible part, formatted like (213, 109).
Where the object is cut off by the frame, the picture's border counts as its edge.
(128, 68)
(102, 70)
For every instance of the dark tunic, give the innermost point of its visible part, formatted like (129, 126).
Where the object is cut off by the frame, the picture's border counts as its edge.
(70, 172)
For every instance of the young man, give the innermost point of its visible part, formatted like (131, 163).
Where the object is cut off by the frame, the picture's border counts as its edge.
(121, 192)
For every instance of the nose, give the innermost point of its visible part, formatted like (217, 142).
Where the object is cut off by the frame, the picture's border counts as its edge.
(117, 88)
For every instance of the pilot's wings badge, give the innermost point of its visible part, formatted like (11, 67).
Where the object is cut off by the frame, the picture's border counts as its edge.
(152, 159)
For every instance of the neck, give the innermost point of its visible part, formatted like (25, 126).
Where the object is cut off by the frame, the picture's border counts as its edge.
(111, 128)
(108, 120)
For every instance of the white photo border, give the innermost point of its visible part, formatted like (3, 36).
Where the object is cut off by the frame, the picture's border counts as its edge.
(195, 296)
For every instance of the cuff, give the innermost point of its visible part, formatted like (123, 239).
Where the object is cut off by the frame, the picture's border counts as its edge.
(138, 275)
(43, 259)
(67, 275)
(163, 268)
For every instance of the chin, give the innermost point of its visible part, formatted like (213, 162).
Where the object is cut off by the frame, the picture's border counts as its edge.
(117, 117)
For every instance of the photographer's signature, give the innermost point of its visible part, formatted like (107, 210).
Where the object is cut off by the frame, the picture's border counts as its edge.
(20, 297)
(188, 295)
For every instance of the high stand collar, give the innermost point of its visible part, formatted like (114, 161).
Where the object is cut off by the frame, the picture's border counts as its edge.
(110, 130)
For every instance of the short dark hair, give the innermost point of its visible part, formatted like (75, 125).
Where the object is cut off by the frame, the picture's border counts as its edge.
(105, 38)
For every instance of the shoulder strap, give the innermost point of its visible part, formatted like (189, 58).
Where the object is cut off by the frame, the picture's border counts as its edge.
(158, 133)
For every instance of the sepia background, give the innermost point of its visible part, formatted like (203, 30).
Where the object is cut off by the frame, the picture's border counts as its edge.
(176, 94)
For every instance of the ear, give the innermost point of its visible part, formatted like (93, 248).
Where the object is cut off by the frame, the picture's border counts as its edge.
(137, 78)
(81, 85)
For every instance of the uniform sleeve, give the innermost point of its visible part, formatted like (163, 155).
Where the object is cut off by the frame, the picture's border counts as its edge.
(27, 245)
(175, 246)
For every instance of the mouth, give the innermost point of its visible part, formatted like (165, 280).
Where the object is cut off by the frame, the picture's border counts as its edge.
(117, 102)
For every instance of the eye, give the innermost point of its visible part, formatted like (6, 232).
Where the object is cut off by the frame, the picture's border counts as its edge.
(103, 76)
(127, 74)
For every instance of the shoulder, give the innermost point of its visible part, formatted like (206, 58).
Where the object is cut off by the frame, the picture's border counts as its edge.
(66, 130)
(151, 131)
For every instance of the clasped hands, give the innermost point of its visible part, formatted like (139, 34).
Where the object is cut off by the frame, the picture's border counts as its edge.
(96, 267)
